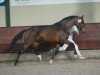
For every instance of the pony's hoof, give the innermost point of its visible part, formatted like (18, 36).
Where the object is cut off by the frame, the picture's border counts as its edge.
(50, 62)
(81, 58)
(15, 63)
(40, 57)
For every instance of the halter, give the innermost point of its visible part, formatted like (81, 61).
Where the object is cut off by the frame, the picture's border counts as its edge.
(79, 24)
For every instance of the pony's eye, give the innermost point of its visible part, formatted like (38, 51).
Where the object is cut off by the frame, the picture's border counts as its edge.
(79, 20)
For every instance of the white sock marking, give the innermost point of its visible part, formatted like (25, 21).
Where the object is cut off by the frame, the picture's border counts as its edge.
(40, 57)
(50, 62)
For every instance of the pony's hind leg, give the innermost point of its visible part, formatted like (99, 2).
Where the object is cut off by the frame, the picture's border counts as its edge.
(17, 59)
(35, 45)
(60, 48)
(54, 53)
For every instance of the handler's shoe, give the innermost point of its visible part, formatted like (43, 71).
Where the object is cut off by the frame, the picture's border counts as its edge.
(81, 57)
(76, 56)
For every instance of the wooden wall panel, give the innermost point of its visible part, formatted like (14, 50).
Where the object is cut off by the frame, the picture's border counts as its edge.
(89, 40)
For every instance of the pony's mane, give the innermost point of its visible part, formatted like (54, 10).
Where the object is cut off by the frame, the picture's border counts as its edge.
(69, 18)
(66, 18)
(59, 25)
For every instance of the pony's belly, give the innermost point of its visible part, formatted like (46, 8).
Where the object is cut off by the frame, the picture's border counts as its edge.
(47, 38)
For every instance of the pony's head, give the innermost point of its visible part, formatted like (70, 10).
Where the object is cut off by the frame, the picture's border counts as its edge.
(79, 22)
(68, 22)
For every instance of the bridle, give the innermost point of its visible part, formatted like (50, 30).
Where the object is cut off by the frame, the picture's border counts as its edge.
(80, 24)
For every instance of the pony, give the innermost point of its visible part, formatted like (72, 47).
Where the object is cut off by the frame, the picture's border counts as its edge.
(58, 32)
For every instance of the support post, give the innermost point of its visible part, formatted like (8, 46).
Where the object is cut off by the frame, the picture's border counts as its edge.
(7, 13)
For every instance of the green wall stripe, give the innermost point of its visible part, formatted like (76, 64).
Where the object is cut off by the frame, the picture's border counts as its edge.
(7, 12)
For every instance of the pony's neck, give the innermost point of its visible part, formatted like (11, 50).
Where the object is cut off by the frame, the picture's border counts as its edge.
(68, 26)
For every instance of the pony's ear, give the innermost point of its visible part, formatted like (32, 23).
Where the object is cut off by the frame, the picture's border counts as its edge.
(82, 16)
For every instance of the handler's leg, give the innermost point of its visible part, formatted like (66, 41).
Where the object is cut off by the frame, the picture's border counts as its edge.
(78, 52)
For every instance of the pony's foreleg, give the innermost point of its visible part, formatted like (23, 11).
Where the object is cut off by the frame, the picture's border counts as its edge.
(59, 48)
(17, 59)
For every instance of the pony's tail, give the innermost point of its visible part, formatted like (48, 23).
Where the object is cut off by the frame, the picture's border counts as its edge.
(18, 37)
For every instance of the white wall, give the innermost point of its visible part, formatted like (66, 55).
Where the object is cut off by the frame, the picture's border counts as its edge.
(2, 17)
(49, 14)
(46, 2)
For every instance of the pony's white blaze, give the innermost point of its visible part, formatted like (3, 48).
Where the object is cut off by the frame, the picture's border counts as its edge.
(79, 20)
